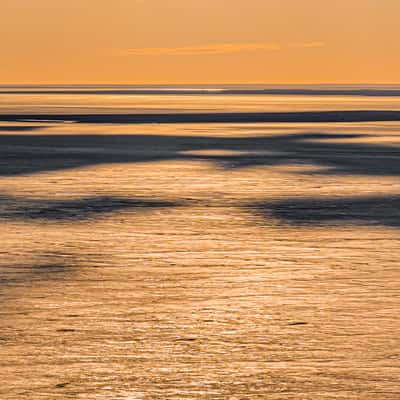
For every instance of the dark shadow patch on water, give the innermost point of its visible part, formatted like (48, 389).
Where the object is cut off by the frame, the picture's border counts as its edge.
(20, 208)
(5, 128)
(373, 210)
(41, 267)
(28, 154)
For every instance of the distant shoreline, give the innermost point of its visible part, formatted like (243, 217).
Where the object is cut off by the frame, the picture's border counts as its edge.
(204, 91)
(199, 118)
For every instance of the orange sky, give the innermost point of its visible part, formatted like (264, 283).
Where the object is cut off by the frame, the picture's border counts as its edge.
(200, 41)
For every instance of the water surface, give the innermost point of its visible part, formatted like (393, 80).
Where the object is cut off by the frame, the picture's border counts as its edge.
(198, 261)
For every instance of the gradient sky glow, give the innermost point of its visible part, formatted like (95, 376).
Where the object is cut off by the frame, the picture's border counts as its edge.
(200, 41)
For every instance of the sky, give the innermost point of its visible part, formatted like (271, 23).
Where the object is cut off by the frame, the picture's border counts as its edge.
(199, 41)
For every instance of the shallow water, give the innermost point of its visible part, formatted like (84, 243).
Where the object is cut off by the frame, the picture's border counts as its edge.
(230, 261)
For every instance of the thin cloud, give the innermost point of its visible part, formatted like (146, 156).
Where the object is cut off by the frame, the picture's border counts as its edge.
(210, 49)
(308, 44)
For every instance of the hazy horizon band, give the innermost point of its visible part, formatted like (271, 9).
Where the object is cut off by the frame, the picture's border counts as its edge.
(269, 90)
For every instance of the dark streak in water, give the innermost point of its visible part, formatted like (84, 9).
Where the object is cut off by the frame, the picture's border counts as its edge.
(241, 117)
(362, 210)
(72, 210)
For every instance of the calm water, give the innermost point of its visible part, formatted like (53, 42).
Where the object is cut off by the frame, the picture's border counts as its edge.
(209, 261)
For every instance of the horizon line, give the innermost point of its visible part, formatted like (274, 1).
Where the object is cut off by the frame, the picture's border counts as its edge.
(193, 83)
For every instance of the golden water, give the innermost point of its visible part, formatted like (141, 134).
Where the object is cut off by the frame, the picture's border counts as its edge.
(199, 262)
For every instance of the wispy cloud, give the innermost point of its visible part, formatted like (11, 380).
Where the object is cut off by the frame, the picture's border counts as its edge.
(308, 44)
(214, 49)
(211, 49)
